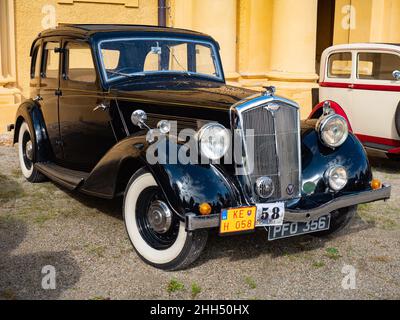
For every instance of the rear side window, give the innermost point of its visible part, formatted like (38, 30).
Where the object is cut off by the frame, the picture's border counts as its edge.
(36, 62)
(377, 66)
(79, 63)
(339, 65)
(51, 60)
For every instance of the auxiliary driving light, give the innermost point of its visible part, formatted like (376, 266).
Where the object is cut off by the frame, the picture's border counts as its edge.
(336, 177)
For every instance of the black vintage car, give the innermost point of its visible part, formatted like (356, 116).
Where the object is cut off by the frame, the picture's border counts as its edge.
(108, 100)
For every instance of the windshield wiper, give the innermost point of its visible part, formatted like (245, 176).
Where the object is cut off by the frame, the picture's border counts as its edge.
(127, 75)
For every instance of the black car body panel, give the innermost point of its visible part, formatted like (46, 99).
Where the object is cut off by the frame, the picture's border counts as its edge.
(88, 128)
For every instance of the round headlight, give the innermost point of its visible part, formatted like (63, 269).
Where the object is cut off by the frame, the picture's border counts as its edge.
(214, 140)
(337, 177)
(333, 130)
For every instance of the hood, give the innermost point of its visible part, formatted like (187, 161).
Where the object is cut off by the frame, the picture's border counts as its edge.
(205, 94)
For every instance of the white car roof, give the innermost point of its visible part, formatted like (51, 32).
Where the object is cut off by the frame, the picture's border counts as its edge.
(353, 47)
(364, 46)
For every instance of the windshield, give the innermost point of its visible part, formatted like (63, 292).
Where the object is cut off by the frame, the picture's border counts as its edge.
(138, 57)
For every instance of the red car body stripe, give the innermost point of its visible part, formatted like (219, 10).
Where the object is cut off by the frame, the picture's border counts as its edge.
(359, 86)
(378, 140)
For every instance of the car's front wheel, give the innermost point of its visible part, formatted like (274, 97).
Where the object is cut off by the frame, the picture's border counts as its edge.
(26, 155)
(339, 219)
(156, 233)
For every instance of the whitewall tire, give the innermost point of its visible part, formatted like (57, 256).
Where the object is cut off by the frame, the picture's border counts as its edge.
(161, 241)
(26, 154)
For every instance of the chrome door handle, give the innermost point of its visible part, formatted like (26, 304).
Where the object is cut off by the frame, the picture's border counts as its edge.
(101, 107)
(351, 86)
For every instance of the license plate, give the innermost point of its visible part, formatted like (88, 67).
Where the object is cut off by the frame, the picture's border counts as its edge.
(290, 229)
(238, 220)
(270, 214)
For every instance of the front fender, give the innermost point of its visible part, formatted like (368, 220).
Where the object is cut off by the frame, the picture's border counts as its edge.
(186, 186)
(317, 158)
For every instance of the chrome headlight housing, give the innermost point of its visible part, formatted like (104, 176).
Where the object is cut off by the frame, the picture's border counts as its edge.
(333, 130)
(336, 177)
(214, 140)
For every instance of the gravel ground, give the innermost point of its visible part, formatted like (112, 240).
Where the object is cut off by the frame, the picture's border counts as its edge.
(85, 240)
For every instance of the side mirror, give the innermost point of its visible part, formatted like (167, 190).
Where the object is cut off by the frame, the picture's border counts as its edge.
(139, 118)
(396, 75)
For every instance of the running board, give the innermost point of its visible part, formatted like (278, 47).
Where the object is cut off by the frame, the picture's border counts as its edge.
(70, 179)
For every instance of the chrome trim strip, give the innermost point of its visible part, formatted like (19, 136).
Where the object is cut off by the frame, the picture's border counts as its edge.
(194, 222)
(338, 203)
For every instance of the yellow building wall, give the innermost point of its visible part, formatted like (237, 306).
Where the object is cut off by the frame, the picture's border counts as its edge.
(263, 42)
(31, 16)
(367, 21)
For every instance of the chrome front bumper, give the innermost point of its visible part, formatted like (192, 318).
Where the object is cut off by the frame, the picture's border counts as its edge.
(194, 222)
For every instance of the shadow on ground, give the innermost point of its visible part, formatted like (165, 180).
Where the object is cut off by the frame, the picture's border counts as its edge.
(236, 248)
(21, 274)
(380, 161)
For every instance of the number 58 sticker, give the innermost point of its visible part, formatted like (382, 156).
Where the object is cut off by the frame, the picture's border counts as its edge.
(270, 214)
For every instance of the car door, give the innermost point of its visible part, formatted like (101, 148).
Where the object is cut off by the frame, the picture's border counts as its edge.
(48, 93)
(85, 128)
(338, 79)
(375, 95)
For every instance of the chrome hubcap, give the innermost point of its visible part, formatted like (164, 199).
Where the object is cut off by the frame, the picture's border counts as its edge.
(29, 150)
(159, 216)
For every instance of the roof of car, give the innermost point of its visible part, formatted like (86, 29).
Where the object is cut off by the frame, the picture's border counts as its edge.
(365, 46)
(90, 29)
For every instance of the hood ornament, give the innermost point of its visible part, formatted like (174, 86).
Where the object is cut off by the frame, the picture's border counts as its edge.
(269, 90)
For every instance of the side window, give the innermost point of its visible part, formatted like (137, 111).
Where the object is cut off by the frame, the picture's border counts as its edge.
(79, 63)
(339, 65)
(51, 60)
(36, 62)
(377, 66)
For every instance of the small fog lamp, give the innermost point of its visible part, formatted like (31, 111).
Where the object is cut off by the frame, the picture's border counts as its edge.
(336, 177)
(376, 184)
(205, 209)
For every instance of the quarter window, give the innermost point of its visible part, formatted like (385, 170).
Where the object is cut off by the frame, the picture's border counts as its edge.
(339, 65)
(377, 66)
(51, 61)
(79, 63)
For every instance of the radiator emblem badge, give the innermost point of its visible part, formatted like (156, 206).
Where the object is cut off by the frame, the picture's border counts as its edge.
(273, 107)
(290, 189)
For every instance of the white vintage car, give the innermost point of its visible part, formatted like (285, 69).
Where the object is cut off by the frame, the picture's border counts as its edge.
(362, 83)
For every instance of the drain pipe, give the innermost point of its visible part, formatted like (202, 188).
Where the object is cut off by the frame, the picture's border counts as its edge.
(162, 13)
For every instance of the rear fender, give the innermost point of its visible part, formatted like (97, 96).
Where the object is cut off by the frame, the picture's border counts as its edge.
(31, 113)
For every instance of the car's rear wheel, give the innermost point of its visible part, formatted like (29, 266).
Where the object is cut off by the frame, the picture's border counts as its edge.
(26, 155)
(339, 220)
(156, 233)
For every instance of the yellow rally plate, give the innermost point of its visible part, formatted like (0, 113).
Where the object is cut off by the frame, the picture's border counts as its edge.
(238, 219)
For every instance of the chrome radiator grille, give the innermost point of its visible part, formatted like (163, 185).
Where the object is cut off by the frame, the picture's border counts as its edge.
(276, 148)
